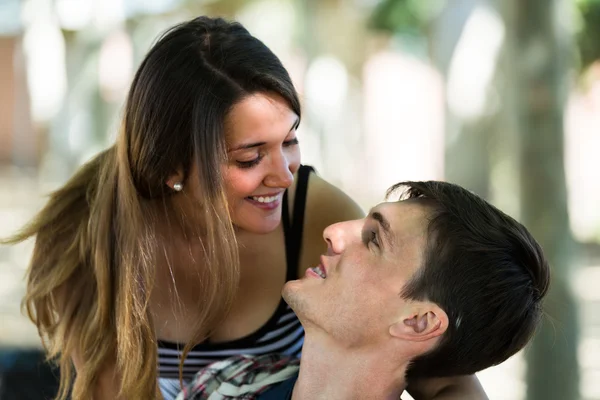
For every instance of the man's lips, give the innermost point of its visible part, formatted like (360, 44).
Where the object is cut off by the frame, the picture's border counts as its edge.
(319, 270)
(312, 273)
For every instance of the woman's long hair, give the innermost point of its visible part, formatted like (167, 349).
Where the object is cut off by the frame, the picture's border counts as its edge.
(96, 243)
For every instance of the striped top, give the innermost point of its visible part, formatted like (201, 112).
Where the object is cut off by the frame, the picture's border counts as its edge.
(282, 333)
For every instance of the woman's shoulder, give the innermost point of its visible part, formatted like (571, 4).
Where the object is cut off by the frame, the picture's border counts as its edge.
(327, 204)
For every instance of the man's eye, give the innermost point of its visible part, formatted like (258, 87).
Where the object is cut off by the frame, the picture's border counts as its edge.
(373, 238)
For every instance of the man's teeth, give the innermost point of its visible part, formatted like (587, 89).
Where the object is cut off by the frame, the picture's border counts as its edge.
(320, 272)
(262, 199)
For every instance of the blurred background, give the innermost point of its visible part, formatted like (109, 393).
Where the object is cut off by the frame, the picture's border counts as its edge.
(500, 96)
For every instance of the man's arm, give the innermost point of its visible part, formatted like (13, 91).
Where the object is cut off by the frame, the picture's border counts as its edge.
(452, 388)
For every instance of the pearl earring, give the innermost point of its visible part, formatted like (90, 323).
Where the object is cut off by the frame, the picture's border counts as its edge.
(178, 187)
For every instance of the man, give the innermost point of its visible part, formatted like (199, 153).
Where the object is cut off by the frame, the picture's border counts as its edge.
(440, 283)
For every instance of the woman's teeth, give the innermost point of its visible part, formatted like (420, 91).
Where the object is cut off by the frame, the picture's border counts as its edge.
(262, 199)
(320, 272)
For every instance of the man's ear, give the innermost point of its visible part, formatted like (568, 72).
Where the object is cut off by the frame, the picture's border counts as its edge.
(423, 322)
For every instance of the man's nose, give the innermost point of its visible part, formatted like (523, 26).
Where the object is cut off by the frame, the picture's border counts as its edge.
(339, 235)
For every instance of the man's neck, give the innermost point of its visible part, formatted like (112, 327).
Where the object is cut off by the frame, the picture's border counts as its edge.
(330, 372)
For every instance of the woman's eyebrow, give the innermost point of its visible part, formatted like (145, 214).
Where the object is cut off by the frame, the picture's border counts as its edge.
(247, 146)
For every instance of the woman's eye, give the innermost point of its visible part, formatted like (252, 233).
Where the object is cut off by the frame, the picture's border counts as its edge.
(249, 164)
(289, 143)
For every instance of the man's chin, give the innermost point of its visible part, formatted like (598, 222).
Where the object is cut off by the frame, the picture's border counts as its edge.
(291, 294)
(285, 292)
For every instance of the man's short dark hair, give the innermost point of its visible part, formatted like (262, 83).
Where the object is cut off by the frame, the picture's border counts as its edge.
(485, 270)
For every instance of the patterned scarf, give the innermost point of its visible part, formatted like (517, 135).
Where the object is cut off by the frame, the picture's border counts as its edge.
(239, 377)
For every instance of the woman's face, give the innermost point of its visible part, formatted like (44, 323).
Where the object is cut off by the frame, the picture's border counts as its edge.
(263, 155)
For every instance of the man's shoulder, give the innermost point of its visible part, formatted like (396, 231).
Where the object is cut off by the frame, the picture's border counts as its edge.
(281, 391)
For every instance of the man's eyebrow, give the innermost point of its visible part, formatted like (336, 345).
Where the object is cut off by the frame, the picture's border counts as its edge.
(247, 146)
(385, 225)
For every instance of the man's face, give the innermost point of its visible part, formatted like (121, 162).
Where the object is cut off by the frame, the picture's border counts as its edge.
(367, 264)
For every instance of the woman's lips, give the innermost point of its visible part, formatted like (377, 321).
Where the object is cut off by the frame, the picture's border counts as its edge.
(267, 201)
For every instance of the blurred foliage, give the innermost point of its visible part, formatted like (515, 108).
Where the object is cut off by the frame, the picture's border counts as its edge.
(221, 8)
(405, 15)
(588, 36)
(415, 16)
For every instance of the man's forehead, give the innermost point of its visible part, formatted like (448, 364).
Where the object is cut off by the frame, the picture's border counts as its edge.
(408, 222)
(406, 218)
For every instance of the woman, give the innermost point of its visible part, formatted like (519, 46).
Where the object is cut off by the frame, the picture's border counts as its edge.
(173, 235)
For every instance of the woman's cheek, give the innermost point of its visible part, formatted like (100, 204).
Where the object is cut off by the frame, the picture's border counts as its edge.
(295, 159)
(243, 183)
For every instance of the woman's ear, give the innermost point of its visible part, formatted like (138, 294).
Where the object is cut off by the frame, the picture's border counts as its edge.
(175, 180)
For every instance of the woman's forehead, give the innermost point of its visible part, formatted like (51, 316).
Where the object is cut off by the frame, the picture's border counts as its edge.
(257, 115)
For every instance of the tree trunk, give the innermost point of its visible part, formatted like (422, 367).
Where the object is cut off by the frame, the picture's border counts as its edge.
(538, 49)
(467, 159)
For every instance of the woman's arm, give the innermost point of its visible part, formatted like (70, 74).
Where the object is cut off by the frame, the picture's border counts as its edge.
(452, 388)
(107, 383)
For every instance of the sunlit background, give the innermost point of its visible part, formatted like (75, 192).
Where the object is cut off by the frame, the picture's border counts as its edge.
(501, 96)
